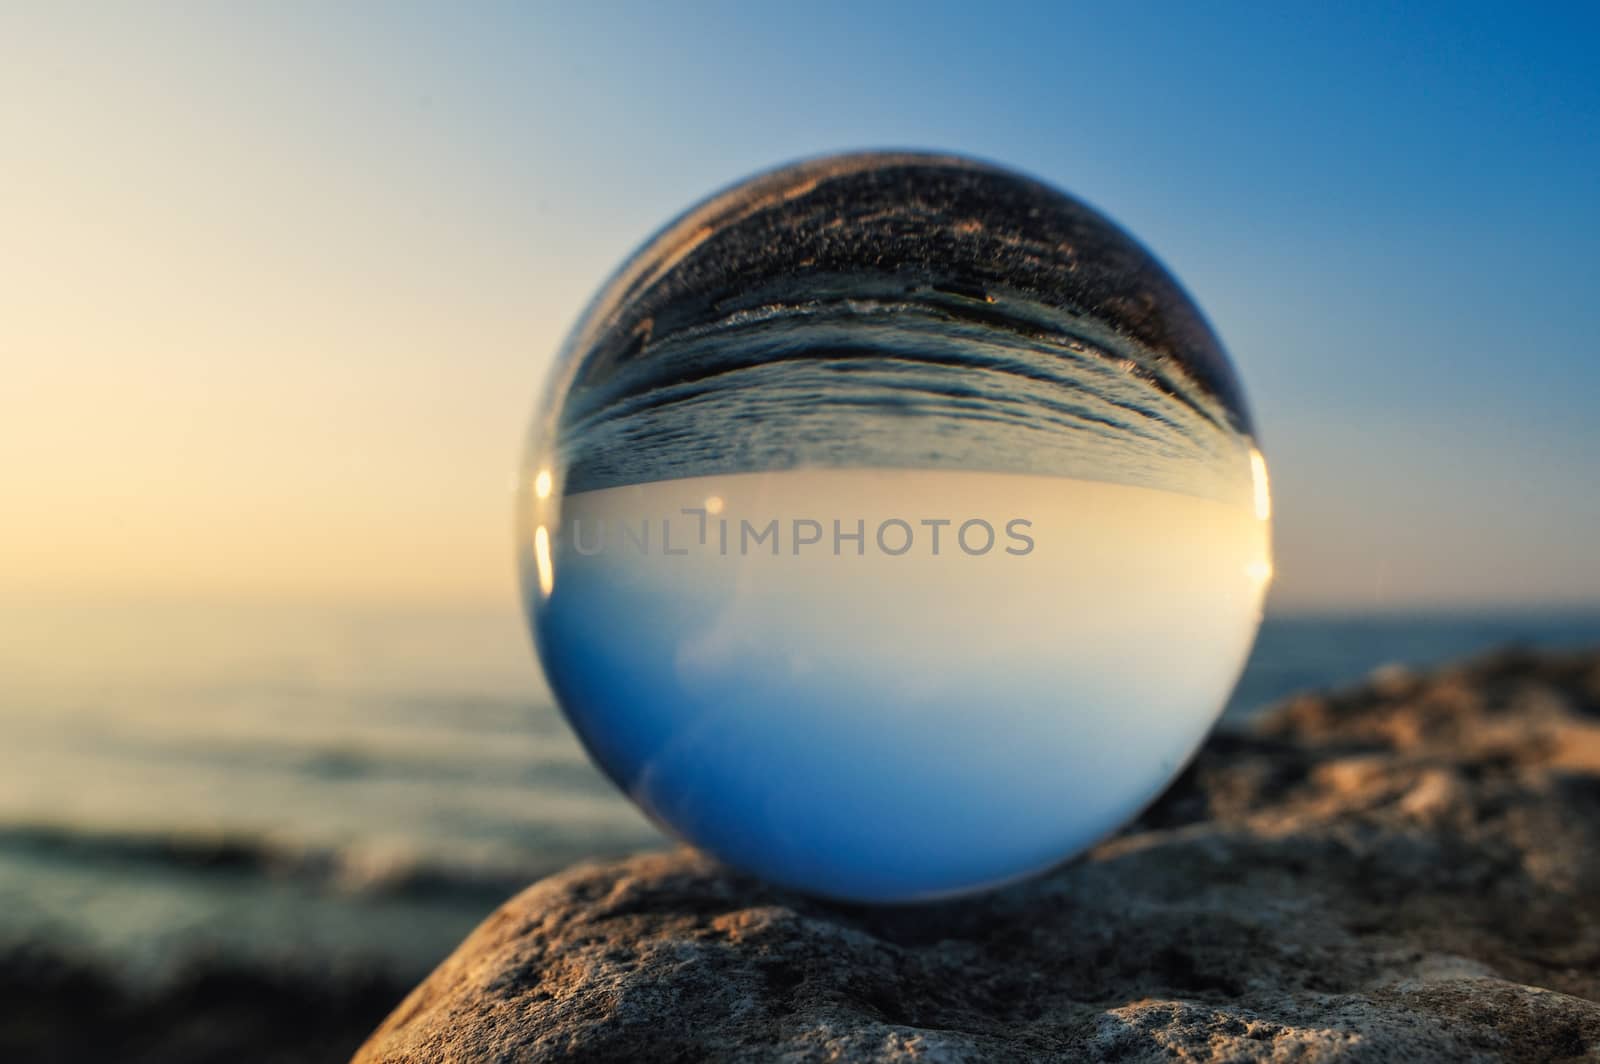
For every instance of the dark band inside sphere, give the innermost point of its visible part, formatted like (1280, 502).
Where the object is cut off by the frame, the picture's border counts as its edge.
(798, 318)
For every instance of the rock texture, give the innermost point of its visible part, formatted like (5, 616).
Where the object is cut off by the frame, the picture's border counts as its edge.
(1405, 871)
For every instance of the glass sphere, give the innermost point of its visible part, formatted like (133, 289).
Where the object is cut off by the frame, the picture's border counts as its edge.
(893, 527)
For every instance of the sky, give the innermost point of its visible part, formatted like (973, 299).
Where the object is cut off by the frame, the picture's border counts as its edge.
(279, 284)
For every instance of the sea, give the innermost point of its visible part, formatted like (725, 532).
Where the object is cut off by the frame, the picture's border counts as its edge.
(296, 787)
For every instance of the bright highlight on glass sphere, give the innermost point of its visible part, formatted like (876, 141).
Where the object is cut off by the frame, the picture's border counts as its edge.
(893, 527)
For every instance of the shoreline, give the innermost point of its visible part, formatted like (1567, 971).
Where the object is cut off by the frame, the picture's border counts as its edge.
(1414, 744)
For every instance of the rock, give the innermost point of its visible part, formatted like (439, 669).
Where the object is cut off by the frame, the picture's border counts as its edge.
(1404, 871)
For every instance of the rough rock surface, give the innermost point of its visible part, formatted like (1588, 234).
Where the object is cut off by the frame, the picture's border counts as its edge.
(1405, 871)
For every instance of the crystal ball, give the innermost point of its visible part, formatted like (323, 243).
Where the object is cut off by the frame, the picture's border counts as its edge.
(892, 527)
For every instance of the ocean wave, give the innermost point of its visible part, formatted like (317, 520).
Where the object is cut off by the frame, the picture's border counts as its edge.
(902, 383)
(361, 870)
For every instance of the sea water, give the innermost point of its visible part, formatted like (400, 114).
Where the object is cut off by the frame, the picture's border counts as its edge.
(310, 789)
(302, 789)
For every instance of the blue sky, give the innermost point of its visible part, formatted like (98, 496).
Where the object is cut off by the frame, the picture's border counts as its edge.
(397, 210)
